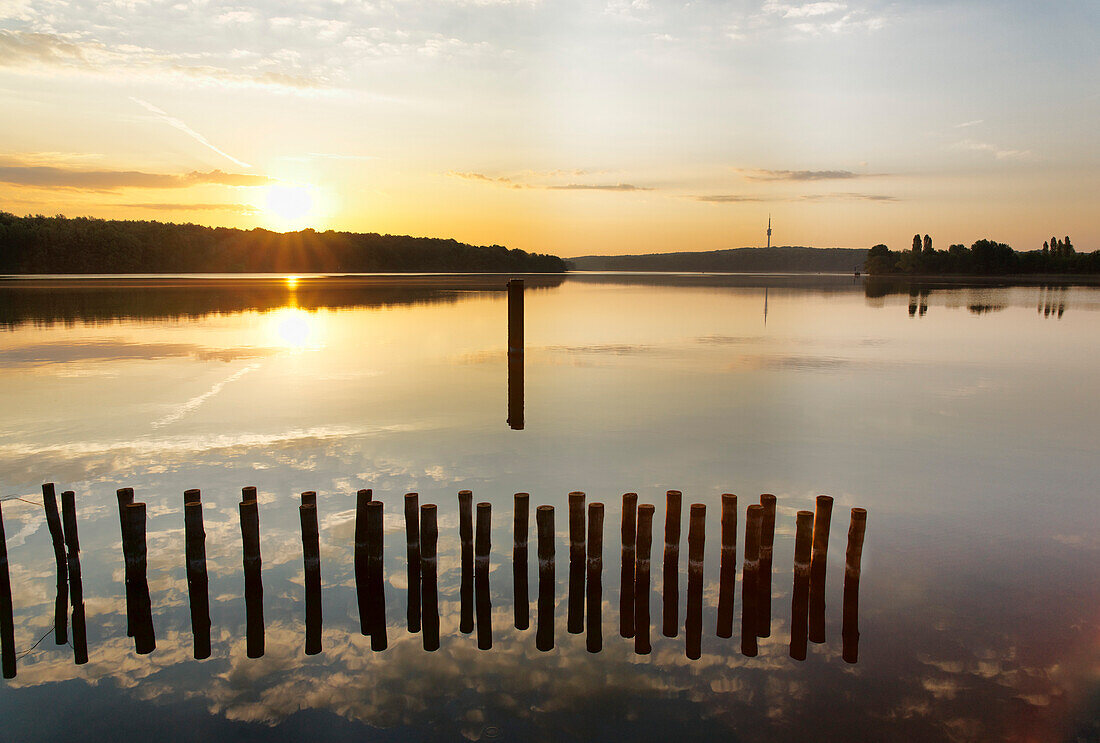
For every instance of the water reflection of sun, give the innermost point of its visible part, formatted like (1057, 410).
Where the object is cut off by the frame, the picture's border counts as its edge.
(294, 328)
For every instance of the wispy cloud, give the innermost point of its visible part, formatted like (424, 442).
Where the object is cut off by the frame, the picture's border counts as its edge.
(726, 198)
(598, 187)
(965, 124)
(49, 176)
(848, 197)
(756, 174)
(1000, 153)
(196, 402)
(172, 121)
(508, 182)
(745, 198)
(184, 207)
(497, 180)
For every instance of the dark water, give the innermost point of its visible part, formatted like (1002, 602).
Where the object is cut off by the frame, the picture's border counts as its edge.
(964, 419)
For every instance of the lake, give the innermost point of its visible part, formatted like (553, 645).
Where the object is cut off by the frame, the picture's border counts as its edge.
(965, 420)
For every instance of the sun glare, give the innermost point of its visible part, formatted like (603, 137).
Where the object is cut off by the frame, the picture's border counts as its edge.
(294, 328)
(288, 207)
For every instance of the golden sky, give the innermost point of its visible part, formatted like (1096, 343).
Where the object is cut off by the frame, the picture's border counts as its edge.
(566, 127)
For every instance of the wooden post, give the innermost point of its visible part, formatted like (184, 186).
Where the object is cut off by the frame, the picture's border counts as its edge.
(852, 565)
(253, 582)
(515, 316)
(125, 497)
(800, 607)
(764, 578)
(575, 600)
(198, 582)
(7, 610)
(818, 560)
(76, 583)
(57, 537)
(360, 559)
(629, 557)
(520, 595)
(466, 536)
(412, 552)
(641, 579)
(429, 597)
(311, 563)
(376, 578)
(727, 580)
(693, 627)
(594, 596)
(749, 584)
(484, 607)
(672, 563)
(137, 563)
(544, 630)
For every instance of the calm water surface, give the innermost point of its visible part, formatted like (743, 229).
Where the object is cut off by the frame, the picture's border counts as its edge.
(963, 418)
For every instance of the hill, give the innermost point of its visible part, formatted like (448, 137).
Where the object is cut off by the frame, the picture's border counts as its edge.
(779, 259)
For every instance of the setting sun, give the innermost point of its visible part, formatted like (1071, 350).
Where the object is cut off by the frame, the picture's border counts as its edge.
(288, 207)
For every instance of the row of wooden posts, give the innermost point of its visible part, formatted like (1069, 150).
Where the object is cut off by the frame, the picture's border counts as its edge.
(421, 531)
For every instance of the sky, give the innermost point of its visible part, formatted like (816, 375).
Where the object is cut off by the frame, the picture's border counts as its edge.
(574, 128)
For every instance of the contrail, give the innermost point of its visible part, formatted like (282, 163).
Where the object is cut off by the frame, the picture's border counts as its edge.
(198, 400)
(173, 121)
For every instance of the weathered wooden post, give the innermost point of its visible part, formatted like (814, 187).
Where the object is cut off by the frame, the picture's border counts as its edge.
(7, 611)
(575, 597)
(429, 597)
(594, 597)
(198, 582)
(629, 558)
(693, 627)
(520, 595)
(253, 583)
(764, 578)
(749, 584)
(641, 579)
(800, 598)
(57, 537)
(818, 560)
(76, 584)
(727, 579)
(544, 630)
(376, 579)
(361, 558)
(852, 565)
(466, 536)
(412, 551)
(482, 546)
(515, 354)
(311, 562)
(137, 589)
(671, 563)
(125, 497)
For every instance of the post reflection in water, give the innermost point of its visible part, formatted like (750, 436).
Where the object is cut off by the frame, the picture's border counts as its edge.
(852, 563)
(575, 597)
(641, 579)
(626, 576)
(764, 577)
(198, 582)
(412, 553)
(126, 497)
(57, 538)
(466, 536)
(671, 563)
(137, 585)
(515, 354)
(429, 533)
(7, 619)
(727, 579)
(76, 584)
(818, 560)
(594, 594)
(754, 515)
(253, 583)
(482, 546)
(360, 558)
(800, 597)
(693, 627)
(544, 631)
(520, 596)
(311, 562)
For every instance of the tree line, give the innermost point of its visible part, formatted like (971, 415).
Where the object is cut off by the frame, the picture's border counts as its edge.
(982, 257)
(82, 245)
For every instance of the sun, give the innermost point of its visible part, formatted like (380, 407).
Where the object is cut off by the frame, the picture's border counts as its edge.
(288, 207)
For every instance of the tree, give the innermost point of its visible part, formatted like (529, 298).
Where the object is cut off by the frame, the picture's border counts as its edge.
(916, 243)
(1046, 247)
(1068, 246)
(927, 244)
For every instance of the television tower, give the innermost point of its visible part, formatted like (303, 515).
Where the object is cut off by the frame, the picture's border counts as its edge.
(769, 230)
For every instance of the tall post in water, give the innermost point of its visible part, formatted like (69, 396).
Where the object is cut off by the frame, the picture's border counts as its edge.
(544, 630)
(253, 583)
(515, 354)
(76, 584)
(376, 579)
(7, 611)
(482, 546)
(671, 563)
(311, 561)
(137, 590)
(764, 578)
(818, 560)
(693, 627)
(629, 557)
(575, 599)
(57, 537)
(749, 584)
(429, 596)
(198, 583)
(800, 597)
(412, 551)
(466, 537)
(727, 580)
(520, 595)
(594, 595)
(641, 579)
(360, 559)
(852, 565)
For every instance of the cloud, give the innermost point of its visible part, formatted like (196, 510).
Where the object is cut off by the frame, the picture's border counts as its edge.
(743, 198)
(49, 176)
(175, 123)
(999, 153)
(598, 187)
(757, 174)
(965, 124)
(183, 207)
(815, 18)
(847, 197)
(501, 180)
(729, 198)
(511, 183)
